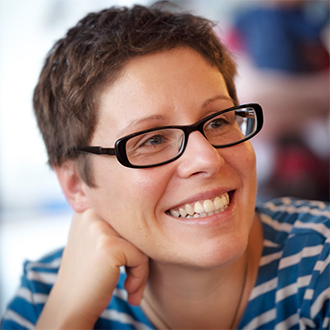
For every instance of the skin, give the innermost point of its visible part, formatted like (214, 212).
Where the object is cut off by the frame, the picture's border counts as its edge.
(123, 221)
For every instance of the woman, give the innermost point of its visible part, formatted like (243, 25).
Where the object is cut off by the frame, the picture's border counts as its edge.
(142, 125)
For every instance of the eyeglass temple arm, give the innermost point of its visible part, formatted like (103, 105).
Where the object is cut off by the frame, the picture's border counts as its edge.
(96, 150)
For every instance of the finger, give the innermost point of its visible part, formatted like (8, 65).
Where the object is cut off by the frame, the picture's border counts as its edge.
(136, 297)
(137, 269)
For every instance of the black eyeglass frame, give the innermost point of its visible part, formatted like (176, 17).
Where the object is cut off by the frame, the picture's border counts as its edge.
(120, 145)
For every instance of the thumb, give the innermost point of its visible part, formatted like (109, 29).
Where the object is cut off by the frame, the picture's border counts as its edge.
(136, 280)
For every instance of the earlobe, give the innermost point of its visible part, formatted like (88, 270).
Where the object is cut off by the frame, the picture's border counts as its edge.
(72, 186)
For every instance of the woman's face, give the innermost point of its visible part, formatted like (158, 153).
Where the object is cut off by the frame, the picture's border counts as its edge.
(177, 87)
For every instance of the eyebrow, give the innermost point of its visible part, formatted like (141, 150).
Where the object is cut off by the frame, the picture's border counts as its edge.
(141, 120)
(160, 117)
(218, 97)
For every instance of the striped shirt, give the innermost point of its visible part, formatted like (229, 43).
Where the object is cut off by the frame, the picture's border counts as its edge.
(291, 291)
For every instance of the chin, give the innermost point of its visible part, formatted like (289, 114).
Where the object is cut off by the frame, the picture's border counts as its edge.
(207, 255)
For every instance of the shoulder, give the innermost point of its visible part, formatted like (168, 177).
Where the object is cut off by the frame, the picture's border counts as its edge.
(294, 268)
(297, 232)
(37, 280)
(36, 283)
(286, 217)
(45, 269)
(290, 206)
(40, 276)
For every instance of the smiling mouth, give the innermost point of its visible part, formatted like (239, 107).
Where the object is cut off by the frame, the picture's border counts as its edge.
(202, 208)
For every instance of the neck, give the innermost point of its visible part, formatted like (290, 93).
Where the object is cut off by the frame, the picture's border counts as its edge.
(193, 299)
(179, 297)
(189, 283)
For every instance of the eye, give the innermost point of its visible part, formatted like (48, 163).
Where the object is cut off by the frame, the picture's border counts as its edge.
(217, 123)
(152, 141)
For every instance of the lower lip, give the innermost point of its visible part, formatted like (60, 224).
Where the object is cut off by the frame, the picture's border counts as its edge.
(222, 217)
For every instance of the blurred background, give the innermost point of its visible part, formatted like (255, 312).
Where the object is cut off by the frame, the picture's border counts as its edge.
(282, 51)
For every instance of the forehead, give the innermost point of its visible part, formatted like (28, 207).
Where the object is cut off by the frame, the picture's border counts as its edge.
(163, 84)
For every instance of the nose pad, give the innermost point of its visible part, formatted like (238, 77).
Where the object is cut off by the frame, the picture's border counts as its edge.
(200, 157)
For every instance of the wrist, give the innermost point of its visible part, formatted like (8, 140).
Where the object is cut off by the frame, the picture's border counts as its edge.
(63, 312)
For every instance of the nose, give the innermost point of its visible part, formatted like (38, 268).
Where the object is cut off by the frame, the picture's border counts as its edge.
(199, 157)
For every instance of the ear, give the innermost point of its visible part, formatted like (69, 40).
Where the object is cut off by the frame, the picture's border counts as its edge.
(72, 185)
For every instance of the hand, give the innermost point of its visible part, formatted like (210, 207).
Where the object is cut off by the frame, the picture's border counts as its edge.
(89, 273)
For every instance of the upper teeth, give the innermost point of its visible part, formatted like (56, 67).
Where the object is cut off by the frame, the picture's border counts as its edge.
(202, 208)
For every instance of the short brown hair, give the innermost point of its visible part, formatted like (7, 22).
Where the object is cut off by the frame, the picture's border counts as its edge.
(91, 56)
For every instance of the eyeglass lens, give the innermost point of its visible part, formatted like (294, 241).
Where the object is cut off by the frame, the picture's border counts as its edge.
(161, 145)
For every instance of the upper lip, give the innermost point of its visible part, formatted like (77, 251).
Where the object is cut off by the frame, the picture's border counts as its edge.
(210, 194)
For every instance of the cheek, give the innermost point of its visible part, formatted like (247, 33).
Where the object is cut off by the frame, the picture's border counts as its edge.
(149, 187)
(122, 190)
(249, 159)
(128, 200)
(242, 158)
(244, 163)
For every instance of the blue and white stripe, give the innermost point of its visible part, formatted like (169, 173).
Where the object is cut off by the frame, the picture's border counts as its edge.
(296, 250)
(291, 291)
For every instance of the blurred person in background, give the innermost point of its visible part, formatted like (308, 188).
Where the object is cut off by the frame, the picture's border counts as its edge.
(286, 68)
(143, 127)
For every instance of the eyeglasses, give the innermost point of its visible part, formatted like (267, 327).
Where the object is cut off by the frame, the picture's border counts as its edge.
(162, 145)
